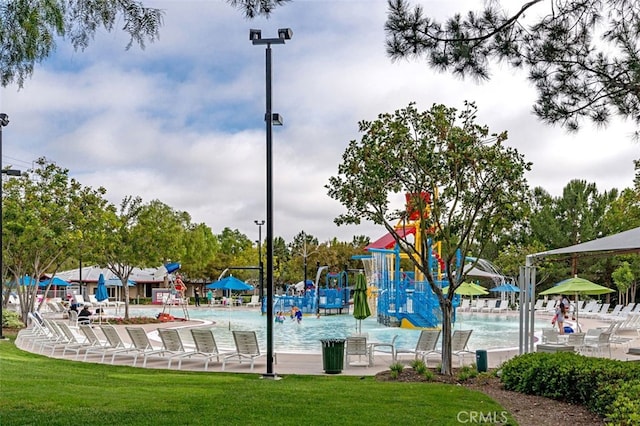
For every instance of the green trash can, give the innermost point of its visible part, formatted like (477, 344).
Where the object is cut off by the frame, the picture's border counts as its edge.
(481, 360)
(332, 355)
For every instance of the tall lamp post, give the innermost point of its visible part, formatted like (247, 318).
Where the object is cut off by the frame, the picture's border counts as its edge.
(270, 119)
(4, 121)
(260, 223)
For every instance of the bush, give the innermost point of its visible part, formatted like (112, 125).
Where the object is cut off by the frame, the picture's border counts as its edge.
(11, 319)
(606, 387)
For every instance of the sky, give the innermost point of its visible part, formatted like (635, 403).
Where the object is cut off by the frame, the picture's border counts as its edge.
(182, 121)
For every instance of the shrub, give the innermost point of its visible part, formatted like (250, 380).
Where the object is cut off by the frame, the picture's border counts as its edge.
(11, 319)
(419, 366)
(599, 384)
(467, 372)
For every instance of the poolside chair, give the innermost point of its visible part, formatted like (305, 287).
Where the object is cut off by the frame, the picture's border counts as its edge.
(465, 305)
(385, 348)
(116, 344)
(246, 347)
(550, 335)
(94, 343)
(358, 346)
(255, 301)
(36, 332)
(142, 345)
(172, 346)
(539, 304)
(479, 306)
(206, 346)
(598, 346)
(613, 315)
(491, 305)
(426, 345)
(576, 340)
(501, 306)
(459, 341)
(57, 340)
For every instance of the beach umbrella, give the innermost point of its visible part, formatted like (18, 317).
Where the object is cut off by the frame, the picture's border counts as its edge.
(577, 286)
(230, 283)
(55, 281)
(360, 305)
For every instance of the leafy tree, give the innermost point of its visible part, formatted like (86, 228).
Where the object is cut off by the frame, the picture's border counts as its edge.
(623, 278)
(141, 236)
(42, 224)
(200, 247)
(29, 28)
(479, 183)
(581, 55)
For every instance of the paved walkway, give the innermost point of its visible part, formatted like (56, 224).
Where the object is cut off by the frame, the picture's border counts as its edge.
(311, 364)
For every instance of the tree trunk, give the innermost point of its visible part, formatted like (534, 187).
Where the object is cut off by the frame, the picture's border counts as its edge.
(125, 287)
(447, 315)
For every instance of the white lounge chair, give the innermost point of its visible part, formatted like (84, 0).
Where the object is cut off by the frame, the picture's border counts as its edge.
(255, 301)
(142, 345)
(459, 341)
(206, 346)
(246, 347)
(116, 344)
(426, 345)
(172, 346)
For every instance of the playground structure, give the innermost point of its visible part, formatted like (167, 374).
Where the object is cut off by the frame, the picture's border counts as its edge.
(313, 298)
(402, 298)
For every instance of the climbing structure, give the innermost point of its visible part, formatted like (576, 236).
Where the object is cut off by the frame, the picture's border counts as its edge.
(403, 298)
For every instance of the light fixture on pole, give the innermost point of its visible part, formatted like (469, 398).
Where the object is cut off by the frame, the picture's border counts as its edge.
(270, 119)
(260, 223)
(4, 121)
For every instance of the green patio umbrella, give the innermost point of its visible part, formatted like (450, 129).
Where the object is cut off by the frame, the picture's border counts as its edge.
(468, 289)
(360, 305)
(576, 286)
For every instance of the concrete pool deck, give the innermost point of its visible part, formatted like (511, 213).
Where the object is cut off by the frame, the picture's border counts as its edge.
(311, 363)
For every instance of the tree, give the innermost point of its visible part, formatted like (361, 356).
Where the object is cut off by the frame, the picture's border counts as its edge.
(141, 236)
(42, 224)
(582, 56)
(29, 28)
(623, 279)
(478, 184)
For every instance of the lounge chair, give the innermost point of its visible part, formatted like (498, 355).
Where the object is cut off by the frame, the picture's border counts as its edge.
(550, 335)
(255, 301)
(597, 347)
(491, 305)
(426, 345)
(613, 315)
(142, 345)
(459, 341)
(358, 346)
(206, 346)
(57, 339)
(94, 343)
(246, 347)
(116, 344)
(172, 346)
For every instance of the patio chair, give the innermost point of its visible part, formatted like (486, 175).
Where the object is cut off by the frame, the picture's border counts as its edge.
(491, 305)
(358, 346)
(57, 340)
(597, 347)
(550, 335)
(116, 344)
(385, 348)
(206, 346)
(246, 348)
(426, 345)
(94, 343)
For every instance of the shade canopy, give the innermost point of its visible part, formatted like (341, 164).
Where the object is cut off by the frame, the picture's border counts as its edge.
(116, 282)
(230, 283)
(468, 289)
(506, 288)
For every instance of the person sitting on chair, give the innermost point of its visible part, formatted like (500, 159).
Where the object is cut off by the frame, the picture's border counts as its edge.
(84, 316)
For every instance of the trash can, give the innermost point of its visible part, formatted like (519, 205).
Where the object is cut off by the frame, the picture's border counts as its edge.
(481, 360)
(332, 355)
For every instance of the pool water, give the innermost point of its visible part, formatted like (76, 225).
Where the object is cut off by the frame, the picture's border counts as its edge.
(489, 330)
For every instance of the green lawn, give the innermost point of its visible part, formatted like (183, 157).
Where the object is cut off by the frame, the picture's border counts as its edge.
(36, 390)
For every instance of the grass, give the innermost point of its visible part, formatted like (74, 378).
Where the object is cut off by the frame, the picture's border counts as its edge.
(36, 390)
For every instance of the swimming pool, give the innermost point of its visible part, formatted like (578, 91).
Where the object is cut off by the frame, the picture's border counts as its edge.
(490, 331)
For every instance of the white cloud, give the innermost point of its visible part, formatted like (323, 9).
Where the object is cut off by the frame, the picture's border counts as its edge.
(182, 121)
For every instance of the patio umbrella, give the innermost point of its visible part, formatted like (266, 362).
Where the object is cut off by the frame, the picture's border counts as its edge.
(576, 286)
(506, 288)
(360, 305)
(468, 289)
(230, 283)
(101, 293)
